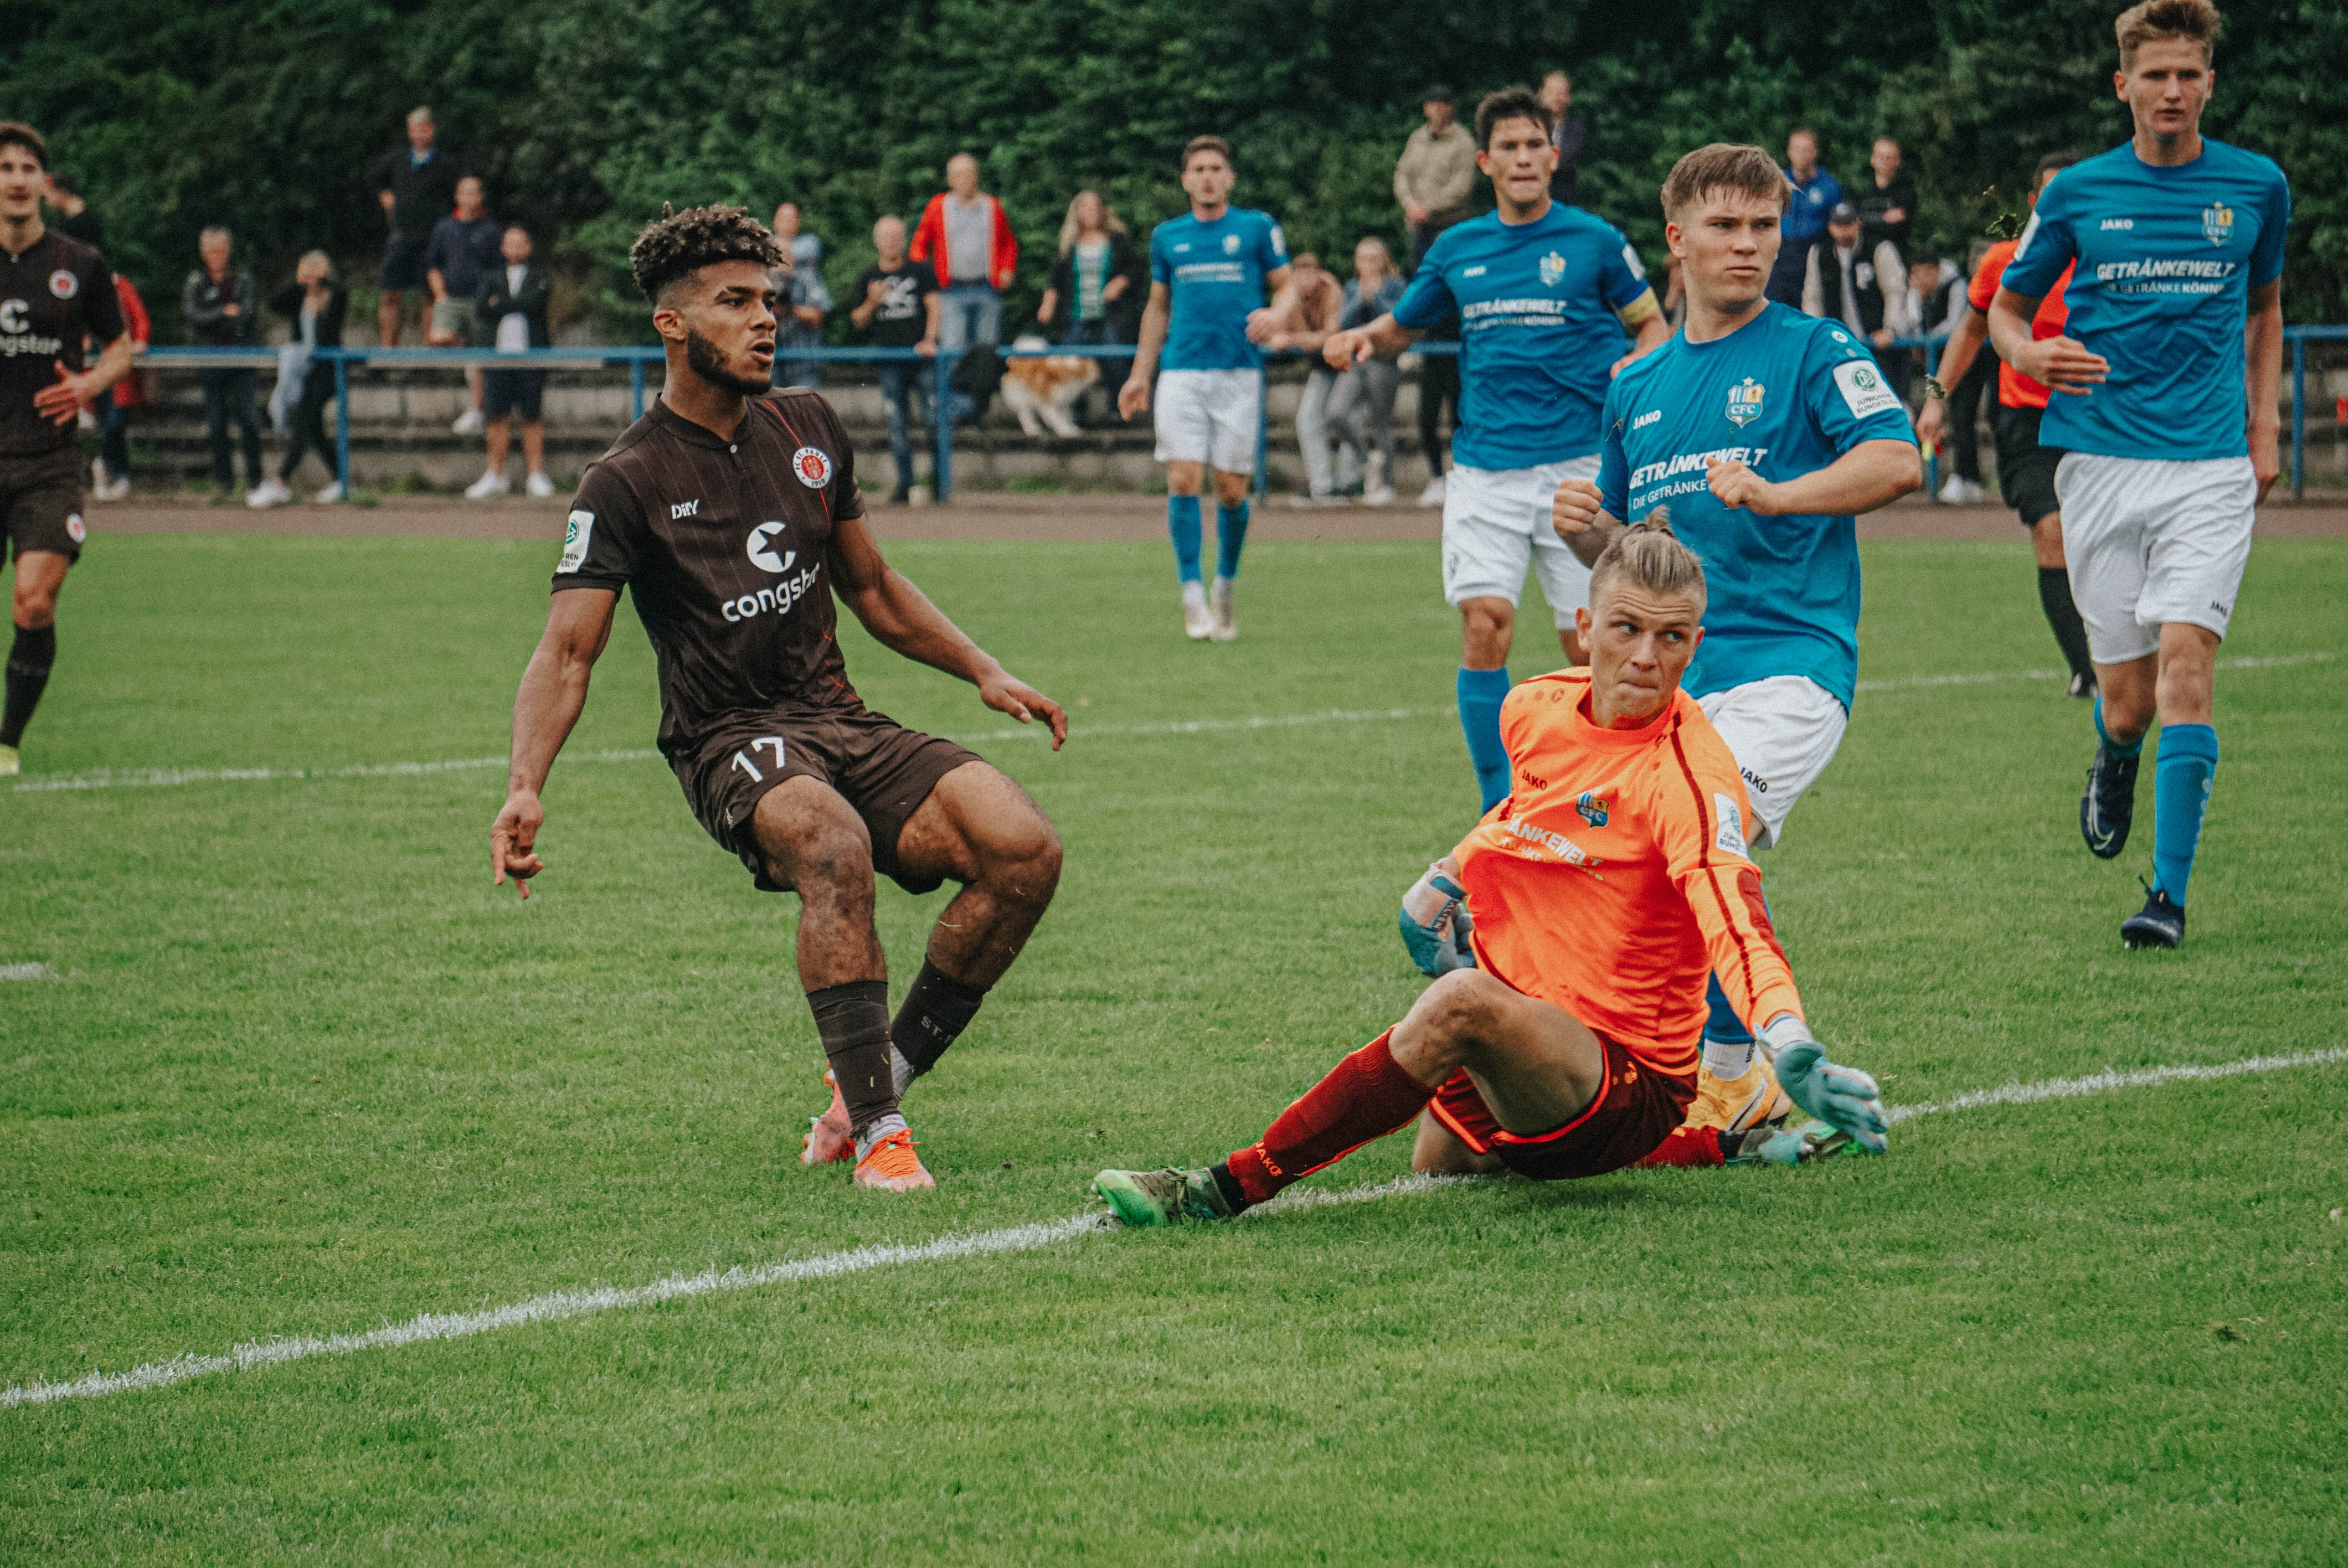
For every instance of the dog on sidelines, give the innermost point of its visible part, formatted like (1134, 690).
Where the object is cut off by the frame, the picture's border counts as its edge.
(1041, 392)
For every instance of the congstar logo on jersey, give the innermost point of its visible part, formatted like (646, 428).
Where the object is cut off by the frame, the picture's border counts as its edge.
(762, 555)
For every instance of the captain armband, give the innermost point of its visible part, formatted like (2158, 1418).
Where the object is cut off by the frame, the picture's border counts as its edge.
(1636, 312)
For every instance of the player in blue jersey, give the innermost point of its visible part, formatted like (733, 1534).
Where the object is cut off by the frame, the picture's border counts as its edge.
(1764, 432)
(1209, 274)
(1544, 294)
(2176, 328)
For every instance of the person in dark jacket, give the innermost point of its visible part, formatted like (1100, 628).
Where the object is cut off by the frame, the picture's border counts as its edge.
(314, 302)
(1097, 286)
(417, 185)
(1567, 133)
(511, 308)
(1887, 202)
(464, 246)
(221, 307)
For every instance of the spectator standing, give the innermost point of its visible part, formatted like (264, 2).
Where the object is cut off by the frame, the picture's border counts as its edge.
(417, 184)
(1360, 408)
(1435, 179)
(512, 307)
(75, 217)
(315, 303)
(965, 236)
(1299, 322)
(111, 476)
(1867, 290)
(897, 304)
(463, 247)
(1887, 206)
(1815, 194)
(1567, 133)
(804, 300)
(1099, 279)
(220, 305)
(1960, 418)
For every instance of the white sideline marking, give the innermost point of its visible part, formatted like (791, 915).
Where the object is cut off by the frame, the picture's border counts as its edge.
(2105, 1082)
(26, 972)
(1916, 683)
(565, 1304)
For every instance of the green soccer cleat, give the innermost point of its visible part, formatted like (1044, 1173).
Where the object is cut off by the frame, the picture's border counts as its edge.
(1161, 1198)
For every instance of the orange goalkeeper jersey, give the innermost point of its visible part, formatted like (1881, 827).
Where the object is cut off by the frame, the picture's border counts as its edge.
(1614, 878)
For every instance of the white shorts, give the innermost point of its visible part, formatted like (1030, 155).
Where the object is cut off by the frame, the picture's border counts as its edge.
(2151, 541)
(1782, 731)
(1496, 524)
(1209, 417)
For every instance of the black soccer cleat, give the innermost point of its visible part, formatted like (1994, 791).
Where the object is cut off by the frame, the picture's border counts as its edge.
(2159, 924)
(2109, 804)
(2082, 687)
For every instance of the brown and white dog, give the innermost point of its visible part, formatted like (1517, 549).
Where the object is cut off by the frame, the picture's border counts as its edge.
(1046, 389)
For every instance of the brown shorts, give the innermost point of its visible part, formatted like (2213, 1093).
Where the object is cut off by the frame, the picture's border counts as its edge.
(1635, 1110)
(879, 767)
(40, 504)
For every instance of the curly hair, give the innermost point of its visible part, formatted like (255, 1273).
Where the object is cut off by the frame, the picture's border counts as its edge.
(676, 245)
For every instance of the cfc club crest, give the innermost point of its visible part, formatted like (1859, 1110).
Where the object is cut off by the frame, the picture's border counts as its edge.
(1745, 402)
(1230, 244)
(64, 284)
(813, 466)
(1552, 268)
(2217, 222)
(1592, 807)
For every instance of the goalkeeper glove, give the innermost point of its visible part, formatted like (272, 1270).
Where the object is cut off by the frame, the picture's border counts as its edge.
(1842, 1097)
(1435, 923)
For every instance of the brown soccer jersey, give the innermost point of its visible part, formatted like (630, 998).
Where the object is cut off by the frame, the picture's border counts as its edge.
(51, 297)
(726, 545)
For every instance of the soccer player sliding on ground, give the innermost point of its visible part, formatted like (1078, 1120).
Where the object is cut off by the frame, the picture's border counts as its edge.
(1544, 294)
(55, 292)
(1764, 431)
(2174, 245)
(734, 519)
(1571, 1049)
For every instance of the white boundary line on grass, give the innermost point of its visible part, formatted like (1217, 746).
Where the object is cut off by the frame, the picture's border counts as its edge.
(561, 1305)
(169, 778)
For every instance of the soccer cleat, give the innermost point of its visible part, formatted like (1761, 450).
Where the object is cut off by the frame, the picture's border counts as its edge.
(1802, 1145)
(11, 762)
(2109, 804)
(1221, 627)
(1197, 621)
(1738, 1105)
(1161, 1198)
(828, 1140)
(891, 1166)
(2082, 686)
(2159, 924)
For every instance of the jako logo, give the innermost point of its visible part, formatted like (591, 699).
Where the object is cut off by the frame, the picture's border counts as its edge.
(683, 509)
(2119, 222)
(1646, 419)
(762, 557)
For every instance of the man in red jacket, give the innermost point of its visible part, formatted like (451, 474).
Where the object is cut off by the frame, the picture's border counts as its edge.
(963, 233)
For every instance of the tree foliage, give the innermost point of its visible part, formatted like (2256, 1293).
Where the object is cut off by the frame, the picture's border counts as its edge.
(587, 114)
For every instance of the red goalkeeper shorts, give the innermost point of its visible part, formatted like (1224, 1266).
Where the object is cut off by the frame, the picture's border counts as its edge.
(1635, 1110)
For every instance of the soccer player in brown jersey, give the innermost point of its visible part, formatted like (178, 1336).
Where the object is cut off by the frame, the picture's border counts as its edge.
(734, 519)
(55, 292)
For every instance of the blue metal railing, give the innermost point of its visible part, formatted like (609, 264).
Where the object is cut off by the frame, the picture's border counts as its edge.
(636, 356)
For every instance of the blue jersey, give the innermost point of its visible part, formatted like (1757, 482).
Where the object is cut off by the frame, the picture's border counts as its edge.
(1537, 330)
(1786, 395)
(2166, 259)
(1216, 271)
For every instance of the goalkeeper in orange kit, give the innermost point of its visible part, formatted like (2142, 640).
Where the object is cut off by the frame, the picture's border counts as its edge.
(1611, 885)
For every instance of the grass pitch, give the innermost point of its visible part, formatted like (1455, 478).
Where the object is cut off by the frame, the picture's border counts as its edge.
(303, 1071)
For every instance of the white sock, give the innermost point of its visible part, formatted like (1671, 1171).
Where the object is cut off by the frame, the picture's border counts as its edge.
(1728, 1059)
(1193, 594)
(891, 1122)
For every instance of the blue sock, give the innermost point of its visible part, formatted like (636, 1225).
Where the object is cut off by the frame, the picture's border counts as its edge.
(1182, 522)
(2180, 794)
(2106, 736)
(1724, 1024)
(1231, 533)
(1480, 694)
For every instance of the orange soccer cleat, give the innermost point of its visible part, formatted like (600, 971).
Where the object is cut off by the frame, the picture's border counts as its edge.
(829, 1141)
(891, 1166)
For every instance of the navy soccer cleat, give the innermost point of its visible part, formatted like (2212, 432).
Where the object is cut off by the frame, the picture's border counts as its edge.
(2108, 806)
(2159, 924)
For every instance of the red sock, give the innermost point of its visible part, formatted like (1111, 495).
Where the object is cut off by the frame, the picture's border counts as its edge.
(1687, 1146)
(1365, 1097)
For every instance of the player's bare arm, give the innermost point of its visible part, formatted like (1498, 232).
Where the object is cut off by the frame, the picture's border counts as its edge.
(1133, 397)
(553, 692)
(2061, 362)
(1381, 339)
(62, 401)
(2262, 351)
(1870, 475)
(901, 616)
(1581, 520)
(1643, 318)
